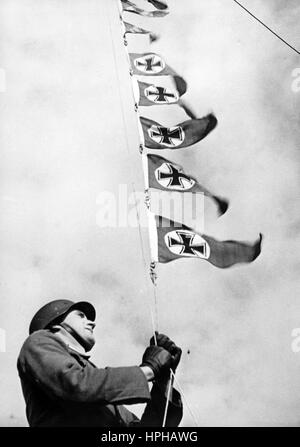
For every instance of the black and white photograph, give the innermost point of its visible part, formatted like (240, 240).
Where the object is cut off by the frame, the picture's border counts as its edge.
(149, 216)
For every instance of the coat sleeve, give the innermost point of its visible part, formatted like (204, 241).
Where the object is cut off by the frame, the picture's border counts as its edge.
(45, 360)
(153, 415)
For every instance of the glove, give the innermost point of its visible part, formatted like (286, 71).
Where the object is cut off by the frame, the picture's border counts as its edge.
(176, 356)
(158, 359)
(165, 342)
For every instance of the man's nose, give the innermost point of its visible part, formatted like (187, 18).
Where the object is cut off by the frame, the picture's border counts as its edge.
(92, 324)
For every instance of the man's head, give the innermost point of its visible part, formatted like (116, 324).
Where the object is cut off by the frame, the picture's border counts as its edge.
(76, 318)
(80, 327)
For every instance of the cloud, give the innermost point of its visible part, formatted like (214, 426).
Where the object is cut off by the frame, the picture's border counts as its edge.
(68, 132)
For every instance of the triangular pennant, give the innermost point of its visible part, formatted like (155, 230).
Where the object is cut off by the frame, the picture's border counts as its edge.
(177, 241)
(179, 136)
(132, 29)
(169, 176)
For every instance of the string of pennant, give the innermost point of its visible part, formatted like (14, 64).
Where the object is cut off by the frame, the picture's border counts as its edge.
(170, 240)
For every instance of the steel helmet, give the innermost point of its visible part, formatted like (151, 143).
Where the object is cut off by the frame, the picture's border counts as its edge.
(46, 314)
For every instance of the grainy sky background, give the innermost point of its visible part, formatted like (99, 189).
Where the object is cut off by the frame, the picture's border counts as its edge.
(64, 140)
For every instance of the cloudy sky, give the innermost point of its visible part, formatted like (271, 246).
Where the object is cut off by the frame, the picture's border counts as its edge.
(68, 134)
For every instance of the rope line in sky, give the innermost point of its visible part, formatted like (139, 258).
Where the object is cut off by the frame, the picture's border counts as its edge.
(269, 29)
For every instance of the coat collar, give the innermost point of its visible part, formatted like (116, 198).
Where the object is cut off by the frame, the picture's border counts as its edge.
(70, 342)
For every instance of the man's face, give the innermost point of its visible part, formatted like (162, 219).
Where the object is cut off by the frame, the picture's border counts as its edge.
(83, 327)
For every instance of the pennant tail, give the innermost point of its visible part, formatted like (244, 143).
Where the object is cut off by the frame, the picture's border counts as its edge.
(222, 204)
(159, 4)
(225, 254)
(212, 123)
(153, 37)
(180, 84)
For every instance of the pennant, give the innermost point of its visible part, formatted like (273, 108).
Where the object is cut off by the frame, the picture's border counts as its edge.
(150, 95)
(182, 135)
(175, 240)
(128, 6)
(159, 4)
(169, 176)
(132, 29)
(149, 64)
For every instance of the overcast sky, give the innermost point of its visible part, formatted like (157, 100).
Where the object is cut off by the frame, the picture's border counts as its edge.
(68, 133)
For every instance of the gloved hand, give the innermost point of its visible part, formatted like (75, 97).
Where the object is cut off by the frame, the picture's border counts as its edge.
(158, 359)
(165, 342)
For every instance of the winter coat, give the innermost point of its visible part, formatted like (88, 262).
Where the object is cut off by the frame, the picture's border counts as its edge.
(62, 388)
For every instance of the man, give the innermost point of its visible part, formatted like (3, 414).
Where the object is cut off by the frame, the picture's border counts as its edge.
(61, 387)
